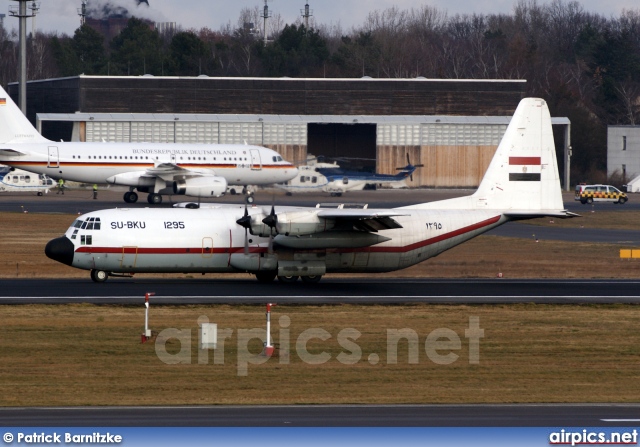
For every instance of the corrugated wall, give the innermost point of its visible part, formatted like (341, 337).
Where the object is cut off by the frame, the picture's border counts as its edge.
(444, 166)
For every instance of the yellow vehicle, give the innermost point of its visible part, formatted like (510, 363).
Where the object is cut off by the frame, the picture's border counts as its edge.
(599, 193)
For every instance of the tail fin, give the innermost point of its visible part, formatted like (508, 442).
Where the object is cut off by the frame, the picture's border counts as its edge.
(522, 179)
(14, 126)
(523, 174)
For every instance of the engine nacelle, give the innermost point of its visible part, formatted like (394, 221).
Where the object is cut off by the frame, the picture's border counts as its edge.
(207, 186)
(299, 223)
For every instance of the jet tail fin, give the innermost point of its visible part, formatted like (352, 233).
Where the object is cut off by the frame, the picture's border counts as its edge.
(14, 126)
(522, 180)
(523, 174)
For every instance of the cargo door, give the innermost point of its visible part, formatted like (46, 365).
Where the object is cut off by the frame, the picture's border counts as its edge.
(129, 257)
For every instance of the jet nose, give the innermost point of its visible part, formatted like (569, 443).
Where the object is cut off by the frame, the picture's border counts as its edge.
(60, 249)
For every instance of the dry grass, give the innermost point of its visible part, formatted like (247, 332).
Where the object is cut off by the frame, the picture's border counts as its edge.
(92, 355)
(594, 218)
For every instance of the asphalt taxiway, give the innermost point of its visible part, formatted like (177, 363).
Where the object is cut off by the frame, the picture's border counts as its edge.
(329, 291)
(531, 415)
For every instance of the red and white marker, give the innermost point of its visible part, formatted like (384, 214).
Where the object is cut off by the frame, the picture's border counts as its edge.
(147, 332)
(268, 347)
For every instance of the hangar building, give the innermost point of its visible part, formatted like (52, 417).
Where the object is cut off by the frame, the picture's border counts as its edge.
(451, 126)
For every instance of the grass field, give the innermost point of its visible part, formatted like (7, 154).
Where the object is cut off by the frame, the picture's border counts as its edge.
(92, 355)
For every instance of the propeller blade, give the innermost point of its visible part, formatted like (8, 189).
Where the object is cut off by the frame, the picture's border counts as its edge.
(272, 219)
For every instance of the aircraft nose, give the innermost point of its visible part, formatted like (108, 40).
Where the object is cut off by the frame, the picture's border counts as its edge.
(60, 249)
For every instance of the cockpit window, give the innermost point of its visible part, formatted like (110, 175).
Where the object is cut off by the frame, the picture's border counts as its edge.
(92, 223)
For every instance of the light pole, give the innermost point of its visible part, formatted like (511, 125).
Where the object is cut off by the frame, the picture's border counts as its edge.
(21, 13)
(265, 15)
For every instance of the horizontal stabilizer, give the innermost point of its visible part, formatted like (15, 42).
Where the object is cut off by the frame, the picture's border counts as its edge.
(10, 153)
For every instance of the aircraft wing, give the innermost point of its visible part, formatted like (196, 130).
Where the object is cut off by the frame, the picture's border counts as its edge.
(167, 171)
(364, 219)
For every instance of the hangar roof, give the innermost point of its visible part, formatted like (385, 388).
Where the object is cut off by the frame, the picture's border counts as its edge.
(230, 118)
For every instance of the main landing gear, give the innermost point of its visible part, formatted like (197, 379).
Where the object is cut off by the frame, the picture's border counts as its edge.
(270, 276)
(154, 199)
(130, 197)
(99, 275)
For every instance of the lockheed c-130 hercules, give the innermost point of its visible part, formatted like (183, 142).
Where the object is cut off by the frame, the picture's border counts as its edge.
(196, 170)
(521, 182)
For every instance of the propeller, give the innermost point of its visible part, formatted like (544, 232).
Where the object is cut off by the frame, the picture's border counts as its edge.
(271, 221)
(409, 166)
(245, 221)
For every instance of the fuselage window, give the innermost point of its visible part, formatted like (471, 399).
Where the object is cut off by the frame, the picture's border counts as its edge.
(27, 179)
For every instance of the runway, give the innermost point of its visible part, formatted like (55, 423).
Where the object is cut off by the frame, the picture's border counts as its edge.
(329, 291)
(528, 415)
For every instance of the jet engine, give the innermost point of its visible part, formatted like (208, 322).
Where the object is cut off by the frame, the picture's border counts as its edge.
(206, 186)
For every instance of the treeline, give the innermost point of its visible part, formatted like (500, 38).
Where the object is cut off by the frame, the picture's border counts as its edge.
(585, 65)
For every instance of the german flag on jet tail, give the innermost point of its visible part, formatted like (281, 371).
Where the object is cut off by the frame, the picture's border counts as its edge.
(524, 169)
(3, 101)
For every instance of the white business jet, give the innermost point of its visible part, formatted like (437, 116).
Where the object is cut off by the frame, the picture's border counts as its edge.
(521, 182)
(197, 170)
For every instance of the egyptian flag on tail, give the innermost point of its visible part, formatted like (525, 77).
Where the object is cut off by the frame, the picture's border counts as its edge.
(524, 169)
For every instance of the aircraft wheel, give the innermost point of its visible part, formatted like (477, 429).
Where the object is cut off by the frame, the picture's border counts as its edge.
(130, 197)
(287, 279)
(589, 200)
(250, 199)
(154, 199)
(265, 276)
(40, 194)
(99, 275)
(311, 279)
